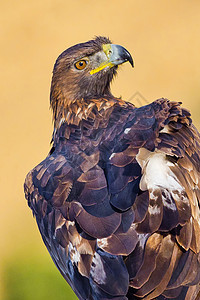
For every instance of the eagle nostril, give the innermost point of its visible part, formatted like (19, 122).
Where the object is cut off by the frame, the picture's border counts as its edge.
(109, 52)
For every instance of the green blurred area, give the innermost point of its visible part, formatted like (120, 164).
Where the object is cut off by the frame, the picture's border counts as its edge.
(34, 278)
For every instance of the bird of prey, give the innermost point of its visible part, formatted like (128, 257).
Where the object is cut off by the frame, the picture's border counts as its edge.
(117, 198)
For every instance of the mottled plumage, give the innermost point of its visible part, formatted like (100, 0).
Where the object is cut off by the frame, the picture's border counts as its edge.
(117, 198)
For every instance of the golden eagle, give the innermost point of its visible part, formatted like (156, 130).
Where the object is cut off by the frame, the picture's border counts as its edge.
(117, 198)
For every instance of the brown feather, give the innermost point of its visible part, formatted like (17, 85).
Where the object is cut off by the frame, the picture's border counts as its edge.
(117, 200)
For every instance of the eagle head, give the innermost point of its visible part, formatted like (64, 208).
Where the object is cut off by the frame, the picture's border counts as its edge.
(85, 70)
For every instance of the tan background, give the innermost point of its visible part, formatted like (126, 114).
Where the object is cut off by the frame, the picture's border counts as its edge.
(164, 39)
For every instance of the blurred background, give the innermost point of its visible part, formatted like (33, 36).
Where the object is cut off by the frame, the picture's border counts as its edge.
(164, 40)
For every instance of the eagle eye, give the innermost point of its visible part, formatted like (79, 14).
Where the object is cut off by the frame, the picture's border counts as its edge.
(81, 64)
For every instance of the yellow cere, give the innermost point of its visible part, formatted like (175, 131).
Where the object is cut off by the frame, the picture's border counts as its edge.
(107, 49)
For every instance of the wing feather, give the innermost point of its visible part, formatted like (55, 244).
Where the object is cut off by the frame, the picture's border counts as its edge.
(122, 196)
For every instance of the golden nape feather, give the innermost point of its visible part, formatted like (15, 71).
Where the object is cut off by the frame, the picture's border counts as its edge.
(117, 198)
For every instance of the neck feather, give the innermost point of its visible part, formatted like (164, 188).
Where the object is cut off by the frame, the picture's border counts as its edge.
(73, 112)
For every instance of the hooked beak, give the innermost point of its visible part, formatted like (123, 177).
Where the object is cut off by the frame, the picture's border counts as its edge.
(116, 55)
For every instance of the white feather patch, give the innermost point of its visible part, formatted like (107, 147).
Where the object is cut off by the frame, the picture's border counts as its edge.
(165, 129)
(156, 171)
(142, 238)
(97, 270)
(74, 254)
(126, 131)
(102, 242)
(62, 120)
(113, 154)
(167, 200)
